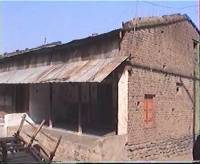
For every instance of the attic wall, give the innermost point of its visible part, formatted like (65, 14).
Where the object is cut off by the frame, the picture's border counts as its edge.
(106, 47)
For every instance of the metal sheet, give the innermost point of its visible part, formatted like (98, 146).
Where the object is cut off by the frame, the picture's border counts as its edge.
(95, 70)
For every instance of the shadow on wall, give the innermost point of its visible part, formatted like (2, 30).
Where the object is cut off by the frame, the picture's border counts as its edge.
(187, 91)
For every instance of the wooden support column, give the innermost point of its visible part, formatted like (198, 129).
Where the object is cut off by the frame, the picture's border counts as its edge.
(51, 106)
(89, 104)
(79, 110)
(115, 102)
(13, 99)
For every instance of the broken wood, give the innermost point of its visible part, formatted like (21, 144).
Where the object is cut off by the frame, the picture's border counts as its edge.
(19, 150)
(35, 133)
(52, 154)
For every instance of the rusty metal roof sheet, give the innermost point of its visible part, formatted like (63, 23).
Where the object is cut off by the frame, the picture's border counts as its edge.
(95, 70)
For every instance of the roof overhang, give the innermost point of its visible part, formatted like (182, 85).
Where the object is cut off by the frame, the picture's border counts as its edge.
(95, 70)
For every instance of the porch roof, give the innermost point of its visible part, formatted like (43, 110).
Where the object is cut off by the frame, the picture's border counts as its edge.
(95, 70)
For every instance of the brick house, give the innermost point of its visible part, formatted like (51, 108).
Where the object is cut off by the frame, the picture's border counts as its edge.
(136, 88)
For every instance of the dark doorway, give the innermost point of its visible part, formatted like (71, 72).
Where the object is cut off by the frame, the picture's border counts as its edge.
(105, 108)
(22, 98)
(102, 112)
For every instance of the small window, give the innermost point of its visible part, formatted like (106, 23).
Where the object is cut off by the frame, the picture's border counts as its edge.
(149, 110)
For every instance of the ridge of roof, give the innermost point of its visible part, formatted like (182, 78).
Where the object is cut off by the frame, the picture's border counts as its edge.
(145, 22)
(18, 52)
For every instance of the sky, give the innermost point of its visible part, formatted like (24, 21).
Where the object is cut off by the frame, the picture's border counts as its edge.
(27, 24)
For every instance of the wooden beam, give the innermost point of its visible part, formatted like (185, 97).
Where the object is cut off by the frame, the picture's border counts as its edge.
(79, 110)
(52, 154)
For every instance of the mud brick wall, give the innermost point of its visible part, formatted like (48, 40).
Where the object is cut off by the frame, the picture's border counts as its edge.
(157, 150)
(169, 47)
(168, 50)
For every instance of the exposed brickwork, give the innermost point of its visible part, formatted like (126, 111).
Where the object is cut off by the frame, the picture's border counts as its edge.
(160, 150)
(169, 49)
(173, 110)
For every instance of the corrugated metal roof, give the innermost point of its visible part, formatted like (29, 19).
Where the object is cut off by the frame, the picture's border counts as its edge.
(95, 70)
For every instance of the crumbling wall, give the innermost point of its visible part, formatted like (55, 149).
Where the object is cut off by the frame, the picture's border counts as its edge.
(74, 147)
(162, 65)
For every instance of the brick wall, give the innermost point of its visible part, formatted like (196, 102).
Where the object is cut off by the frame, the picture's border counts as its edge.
(168, 50)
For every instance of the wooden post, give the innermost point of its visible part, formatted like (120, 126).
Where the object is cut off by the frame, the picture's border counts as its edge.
(79, 110)
(51, 108)
(21, 124)
(89, 104)
(14, 104)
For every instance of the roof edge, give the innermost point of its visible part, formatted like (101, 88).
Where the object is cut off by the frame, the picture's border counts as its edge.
(149, 22)
(193, 24)
(72, 43)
